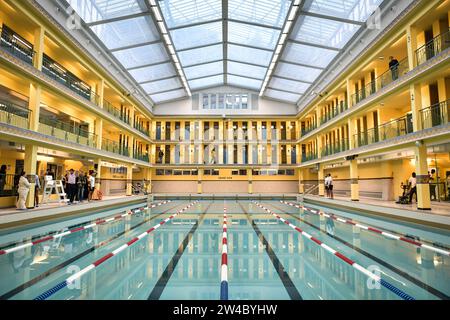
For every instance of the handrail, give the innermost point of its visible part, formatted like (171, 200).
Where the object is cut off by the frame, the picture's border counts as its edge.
(114, 146)
(336, 147)
(388, 130)
(433, 47)
(22, 48)
(13, 114)
(381, 81)
(435, 115)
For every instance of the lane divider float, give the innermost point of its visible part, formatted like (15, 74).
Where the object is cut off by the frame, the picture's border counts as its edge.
(74, 230)
(224, 268)
(369, 228)
(347, 260)
(95, 264)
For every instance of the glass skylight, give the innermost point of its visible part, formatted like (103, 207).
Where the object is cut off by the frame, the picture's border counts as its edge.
(196, 37)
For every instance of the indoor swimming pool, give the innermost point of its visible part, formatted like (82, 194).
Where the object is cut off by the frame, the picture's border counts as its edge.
(225, 249)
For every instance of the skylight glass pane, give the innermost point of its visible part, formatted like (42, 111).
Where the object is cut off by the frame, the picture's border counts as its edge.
(269, 12)
(197, 35)
(126, 32)
(244, 82)
(284, 84)
(200, 55)
(252, 35)
(204, 70)
(140, 56)
(323, 31)
(297, 72)
(154, 72)
(246, 69)
(206, 82)
(183, 12)
(280, 95)
(97, 10)
(358, 10)
(162, 85)
(311, 56)
(238, 53)
(166, 96)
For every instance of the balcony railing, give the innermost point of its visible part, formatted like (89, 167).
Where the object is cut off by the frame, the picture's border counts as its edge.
(66, 131)
(140, 156)
(14, 115)
(329, 115)
(389, 130)
(383, 80)
(309, 156)
(433, 48)
(333, 148)
(114, 146)
(435, 115)
(138, 126)
(66, 78)
(307, 130)
(16, 45)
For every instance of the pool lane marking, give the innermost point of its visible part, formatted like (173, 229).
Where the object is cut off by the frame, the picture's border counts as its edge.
(349, 261)
(402, 273)
(369, 228)
(290, 287)
(98, 262)
(64, 264)
(77, 229)
(161, 284)
(224, 268)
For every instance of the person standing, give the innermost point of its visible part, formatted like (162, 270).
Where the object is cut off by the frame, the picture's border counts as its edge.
(393, 66)
(80, 186)
(330, 186)
(412, 187)
(433, 185)
(37, 187)
(23, 189)
(2, 178)
(91, 183)
(71, 185)
(327, 192)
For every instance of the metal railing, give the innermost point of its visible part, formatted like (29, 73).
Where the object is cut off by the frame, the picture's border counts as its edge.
(435, 115)
(66, 131)
(383, 80)
(309, 156)
(138, 126)
(141, 156)
(14, 115)
(333, 148)
(307, 130)
(57, 72)
(16, 45)
(389, 130)
(433, 47)
(114, 146)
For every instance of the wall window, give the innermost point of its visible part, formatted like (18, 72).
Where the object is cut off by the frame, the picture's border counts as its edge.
(225, 101)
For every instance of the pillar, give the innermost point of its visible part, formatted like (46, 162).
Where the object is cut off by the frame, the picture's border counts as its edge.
(351, 134)
(34, 103)
(30, 169)
(321, 181)
(149, 180)
(129, 179)
(301, 187)
(199, 181)
(98, 175)
(411, 43)
(38, 46)
(250, 180)
(423, 188)
(416, 105)
(98, 131)
(354, 186)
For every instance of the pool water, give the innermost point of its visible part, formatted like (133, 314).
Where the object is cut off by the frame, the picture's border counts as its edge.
(181, 256)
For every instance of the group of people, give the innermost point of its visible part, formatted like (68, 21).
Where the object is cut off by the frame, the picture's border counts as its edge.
(411, 187)
(79, 186)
